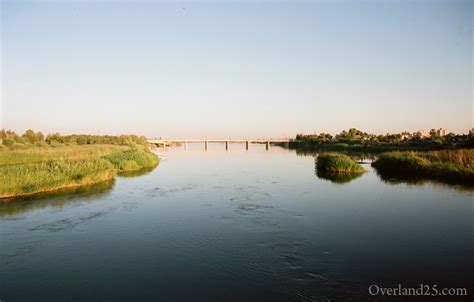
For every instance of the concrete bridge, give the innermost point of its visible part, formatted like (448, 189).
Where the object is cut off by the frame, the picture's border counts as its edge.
(227, 142)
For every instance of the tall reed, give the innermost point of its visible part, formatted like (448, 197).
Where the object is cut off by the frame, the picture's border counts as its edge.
(31, 171)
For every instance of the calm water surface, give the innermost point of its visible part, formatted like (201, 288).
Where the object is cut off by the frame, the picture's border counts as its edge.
(238, 225)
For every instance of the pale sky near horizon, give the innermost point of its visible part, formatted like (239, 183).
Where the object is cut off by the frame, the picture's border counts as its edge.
(240, 69)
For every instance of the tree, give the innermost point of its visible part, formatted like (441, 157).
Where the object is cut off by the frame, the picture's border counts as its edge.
(53, 137)
(40, 136)
(31, 137)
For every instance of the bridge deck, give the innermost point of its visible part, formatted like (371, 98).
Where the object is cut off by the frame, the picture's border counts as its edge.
(164, 141)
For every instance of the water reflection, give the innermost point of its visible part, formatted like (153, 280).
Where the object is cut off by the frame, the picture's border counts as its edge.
(140, 172)
(338, 178)
(394, 179)
(56, 199)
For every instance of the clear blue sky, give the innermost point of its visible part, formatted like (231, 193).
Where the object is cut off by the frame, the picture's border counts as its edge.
(239, 69)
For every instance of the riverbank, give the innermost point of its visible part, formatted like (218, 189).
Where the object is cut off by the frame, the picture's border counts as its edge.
(35, 170)
(310, 146)
(451, 166)
(355, 140)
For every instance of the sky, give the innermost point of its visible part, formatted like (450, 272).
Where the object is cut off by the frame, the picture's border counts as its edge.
(237, 69)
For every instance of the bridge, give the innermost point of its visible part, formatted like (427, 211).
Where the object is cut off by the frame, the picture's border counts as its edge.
(227, 142)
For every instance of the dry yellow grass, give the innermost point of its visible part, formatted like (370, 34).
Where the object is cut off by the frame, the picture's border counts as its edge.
(460, 156)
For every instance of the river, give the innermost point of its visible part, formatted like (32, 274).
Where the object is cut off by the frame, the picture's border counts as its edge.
(235, 225)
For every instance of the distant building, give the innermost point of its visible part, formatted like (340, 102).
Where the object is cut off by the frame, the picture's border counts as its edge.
(441, 132)
(405, 136)
(421, 134)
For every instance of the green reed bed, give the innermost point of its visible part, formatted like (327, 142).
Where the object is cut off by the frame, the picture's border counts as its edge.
(453, 166)
(337, 163)
(33, 154)
(131, 160)
(68, 166)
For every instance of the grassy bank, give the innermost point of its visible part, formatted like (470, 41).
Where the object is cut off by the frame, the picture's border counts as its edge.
(452, 166)
(33, 154)
(42, 169)
(337, 163)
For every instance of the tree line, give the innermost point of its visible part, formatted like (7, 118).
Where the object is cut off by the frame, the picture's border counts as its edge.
(357, 138)
(31, 137)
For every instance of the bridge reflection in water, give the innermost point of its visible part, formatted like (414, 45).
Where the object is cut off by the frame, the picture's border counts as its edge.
(206, 142)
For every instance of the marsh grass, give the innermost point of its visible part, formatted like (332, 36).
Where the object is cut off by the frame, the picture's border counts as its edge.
(131, 160)
(35, 170)
(337, 163)
(451, 166)
(12, 156)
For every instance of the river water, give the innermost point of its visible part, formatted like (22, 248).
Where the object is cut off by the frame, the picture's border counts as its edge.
(236, 225)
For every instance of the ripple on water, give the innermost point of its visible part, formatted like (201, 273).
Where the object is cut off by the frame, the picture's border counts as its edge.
(161, 192)
(129, 206)
(14, 218)
(23, 250)
(67, 223)
(317, 275)
(250, 207)
(251, 196)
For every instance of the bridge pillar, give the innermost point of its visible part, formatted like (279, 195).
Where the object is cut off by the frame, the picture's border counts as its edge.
(205, 145)
(267, 145)
(247, 145)
(227, 145)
